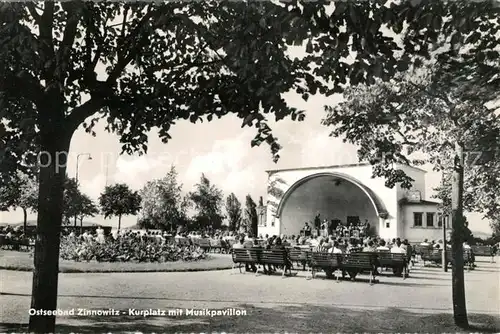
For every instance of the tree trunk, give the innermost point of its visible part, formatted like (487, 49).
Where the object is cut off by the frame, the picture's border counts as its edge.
(52, 159)
(25, 221)
(119, 221)
(76, 221)
(457, 274)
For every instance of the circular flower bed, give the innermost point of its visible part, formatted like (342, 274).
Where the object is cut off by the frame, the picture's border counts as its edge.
(128, 250)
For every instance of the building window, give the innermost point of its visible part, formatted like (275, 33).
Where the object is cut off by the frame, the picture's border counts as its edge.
(430, 219)
(440, 220)
(387, 224)
(417, 219)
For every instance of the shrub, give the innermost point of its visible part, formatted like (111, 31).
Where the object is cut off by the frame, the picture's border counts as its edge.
(127, 249)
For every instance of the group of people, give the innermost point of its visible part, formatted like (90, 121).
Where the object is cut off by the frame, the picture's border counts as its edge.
(335, 245)
(336, 227)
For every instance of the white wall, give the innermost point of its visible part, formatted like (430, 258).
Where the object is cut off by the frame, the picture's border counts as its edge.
(331, 200)
(419, 183)
(418, 234)
(361, 173)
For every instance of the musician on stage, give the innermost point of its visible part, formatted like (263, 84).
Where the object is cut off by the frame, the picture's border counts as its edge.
(307, 230)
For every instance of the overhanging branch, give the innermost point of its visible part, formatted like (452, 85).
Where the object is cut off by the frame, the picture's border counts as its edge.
(79, 114)
(73, 17)
(32, 10)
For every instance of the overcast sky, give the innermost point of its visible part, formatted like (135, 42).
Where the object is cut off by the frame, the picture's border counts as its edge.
(221, 149)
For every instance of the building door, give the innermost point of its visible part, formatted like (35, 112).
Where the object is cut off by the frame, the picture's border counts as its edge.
(353, 220)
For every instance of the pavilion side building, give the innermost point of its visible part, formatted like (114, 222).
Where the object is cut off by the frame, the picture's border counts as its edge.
(349, 193)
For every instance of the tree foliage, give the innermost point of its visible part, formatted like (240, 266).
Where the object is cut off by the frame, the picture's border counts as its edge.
(251, 217)
(22, 193)
(163, 205)
(207, 200)
(118, 200)
(234, 212)
(144, 65)
(417, 118)
(87, 208)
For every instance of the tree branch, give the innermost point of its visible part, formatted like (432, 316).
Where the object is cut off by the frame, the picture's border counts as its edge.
(124, 58)
(73, 17)
(406, 141)
(24, 84)
(32, 10)
(438, 96)
(81, 113)
(45, 26)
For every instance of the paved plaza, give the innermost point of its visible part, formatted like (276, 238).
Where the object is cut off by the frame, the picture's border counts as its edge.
(272, 303)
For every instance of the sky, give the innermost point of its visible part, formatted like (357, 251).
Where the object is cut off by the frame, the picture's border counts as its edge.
(220, 149)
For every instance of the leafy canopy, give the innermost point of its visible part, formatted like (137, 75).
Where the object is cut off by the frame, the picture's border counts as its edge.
(145, 65)
(163, 204)
(21, 192)
(419, 117)
(207, 200)
(234, 212)
(118, 200)
(251, 218)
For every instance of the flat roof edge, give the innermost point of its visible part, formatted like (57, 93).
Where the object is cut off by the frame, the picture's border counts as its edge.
(361, 164)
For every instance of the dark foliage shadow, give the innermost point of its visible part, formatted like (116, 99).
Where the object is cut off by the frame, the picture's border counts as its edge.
(304, 318)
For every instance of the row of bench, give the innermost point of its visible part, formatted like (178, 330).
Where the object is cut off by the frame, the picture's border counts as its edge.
(16, 244)
(435, 256)
(477, 250)
(351, 264)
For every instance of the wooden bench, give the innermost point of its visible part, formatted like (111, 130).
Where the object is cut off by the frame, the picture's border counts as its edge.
(183, 241)
(277, 258)
(397, 262)
(328, 262)
(299, 255)
(431, 255)
(419, 250)
(355, 263)
(482, 250)
(203, 243)
(468, 259)
(245, 256)
(229, 244)
(216, 244)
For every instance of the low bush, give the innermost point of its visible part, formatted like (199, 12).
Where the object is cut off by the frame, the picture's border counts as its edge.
(127, 249)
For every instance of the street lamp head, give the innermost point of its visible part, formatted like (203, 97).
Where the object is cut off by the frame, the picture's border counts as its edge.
(90, 157)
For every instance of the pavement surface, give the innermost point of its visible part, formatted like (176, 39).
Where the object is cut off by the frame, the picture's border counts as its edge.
(427, 290)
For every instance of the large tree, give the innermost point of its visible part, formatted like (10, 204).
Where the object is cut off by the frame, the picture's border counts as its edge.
(22, 193)
(207, 200)
(118, 200)
(251, 217)
(87, 208)
(233, 209)
(71, 200)
(432, 114)
(141, 65)
(163, 204)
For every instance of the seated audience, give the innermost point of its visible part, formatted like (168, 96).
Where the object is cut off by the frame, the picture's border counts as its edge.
(335, 249)
(382, 246)
(398, 249)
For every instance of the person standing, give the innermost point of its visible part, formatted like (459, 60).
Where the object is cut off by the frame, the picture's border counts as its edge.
(317, 222)
(307, 230)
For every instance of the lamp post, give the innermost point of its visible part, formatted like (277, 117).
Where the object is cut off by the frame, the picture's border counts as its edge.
(89, 157)
(444, 221)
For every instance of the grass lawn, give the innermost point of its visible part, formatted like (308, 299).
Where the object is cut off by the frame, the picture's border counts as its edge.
(22, 261)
